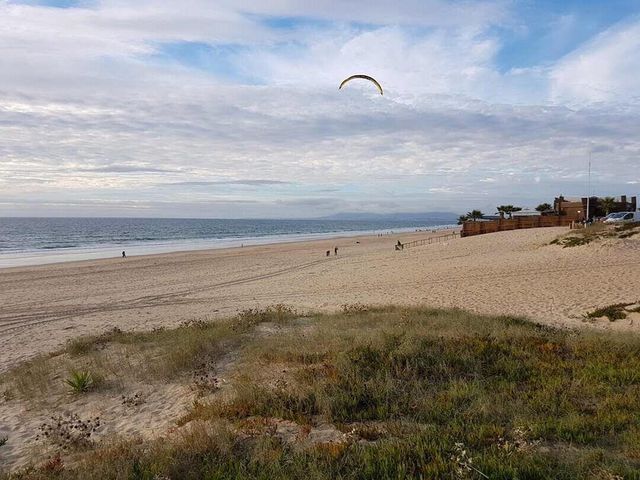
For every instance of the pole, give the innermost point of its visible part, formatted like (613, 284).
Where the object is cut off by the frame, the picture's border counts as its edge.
(588, 188)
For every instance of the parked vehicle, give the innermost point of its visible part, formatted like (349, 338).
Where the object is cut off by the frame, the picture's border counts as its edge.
(621, 217)
(611, 215)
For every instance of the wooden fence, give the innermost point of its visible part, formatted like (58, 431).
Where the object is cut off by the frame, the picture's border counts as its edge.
(427, 241)
(478, 228)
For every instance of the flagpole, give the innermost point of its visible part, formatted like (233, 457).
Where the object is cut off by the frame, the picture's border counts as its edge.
(588, 188)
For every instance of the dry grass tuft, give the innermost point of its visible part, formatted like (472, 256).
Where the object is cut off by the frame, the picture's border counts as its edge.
(618, 311)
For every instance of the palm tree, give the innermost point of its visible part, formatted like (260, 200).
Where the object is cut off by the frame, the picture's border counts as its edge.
(543, 207)
(475, 215)
(607, 204)
(508, 209)
(462, 219)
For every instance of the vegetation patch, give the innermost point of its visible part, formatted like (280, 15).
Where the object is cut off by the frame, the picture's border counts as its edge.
(354, 308)
(400, 393)
(68, 431)
(626, 227)
(279, 313)
(597, 231)
(618, 311)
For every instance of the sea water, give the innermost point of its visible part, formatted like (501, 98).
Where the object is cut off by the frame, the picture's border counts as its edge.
(33, 241)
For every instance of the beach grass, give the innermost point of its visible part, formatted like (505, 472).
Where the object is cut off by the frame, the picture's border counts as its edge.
(597, 231)
(618, 311)
(114, 356)
(410, 393)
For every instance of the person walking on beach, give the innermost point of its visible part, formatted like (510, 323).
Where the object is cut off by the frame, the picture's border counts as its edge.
(335, 251)
(124, 255)
(328, 252)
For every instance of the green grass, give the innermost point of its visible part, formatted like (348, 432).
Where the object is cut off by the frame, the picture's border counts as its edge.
(414, 388)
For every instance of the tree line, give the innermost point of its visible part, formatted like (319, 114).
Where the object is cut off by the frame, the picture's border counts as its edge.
(503, 210)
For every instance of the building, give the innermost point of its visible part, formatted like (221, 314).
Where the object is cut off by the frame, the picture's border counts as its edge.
(576, 208)
(565, 212)
(569, 207)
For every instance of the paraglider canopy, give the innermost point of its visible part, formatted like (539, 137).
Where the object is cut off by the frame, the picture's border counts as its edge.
(364, 77)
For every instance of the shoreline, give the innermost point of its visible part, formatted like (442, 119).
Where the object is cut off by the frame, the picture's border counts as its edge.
(35, 258)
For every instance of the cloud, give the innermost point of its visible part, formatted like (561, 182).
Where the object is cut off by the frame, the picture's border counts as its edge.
(605, 69)
(247, 182)
(409, 12)
(125, 169)
(110, 104)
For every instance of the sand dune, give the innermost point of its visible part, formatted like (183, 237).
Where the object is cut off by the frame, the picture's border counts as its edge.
(505, 273)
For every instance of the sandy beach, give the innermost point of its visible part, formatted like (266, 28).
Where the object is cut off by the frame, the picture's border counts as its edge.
(515, 273)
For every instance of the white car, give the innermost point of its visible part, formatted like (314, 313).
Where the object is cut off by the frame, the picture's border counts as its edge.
(611, 217)
(623, 217)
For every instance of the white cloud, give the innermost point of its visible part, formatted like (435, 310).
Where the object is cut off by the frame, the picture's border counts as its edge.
(383, 12)
(437, 62)
(605, 69)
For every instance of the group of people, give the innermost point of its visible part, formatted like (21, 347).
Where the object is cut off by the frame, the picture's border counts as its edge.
(335, 251)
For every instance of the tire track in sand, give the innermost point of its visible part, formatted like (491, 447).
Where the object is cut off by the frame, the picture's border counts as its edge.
(26, 320)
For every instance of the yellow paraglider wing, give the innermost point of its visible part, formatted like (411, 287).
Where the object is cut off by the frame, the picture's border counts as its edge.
(364, 77)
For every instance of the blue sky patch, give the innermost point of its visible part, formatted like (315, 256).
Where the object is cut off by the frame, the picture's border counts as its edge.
(546, 30)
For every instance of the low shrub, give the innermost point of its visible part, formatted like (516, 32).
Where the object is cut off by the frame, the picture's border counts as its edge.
(612, 312)
(278, 313)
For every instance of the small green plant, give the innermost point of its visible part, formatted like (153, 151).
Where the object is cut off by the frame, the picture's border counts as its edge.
(80, 382)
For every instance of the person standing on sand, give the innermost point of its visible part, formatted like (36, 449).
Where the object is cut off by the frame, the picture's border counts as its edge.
(335, 251)
(124, 255)
(328, 252)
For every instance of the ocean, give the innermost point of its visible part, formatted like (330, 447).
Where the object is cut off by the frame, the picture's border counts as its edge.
(33, 241)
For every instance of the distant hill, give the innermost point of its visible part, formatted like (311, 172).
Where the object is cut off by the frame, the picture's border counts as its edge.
(431, 217)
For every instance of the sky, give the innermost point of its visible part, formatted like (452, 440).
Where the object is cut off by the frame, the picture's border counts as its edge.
(230, 108)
